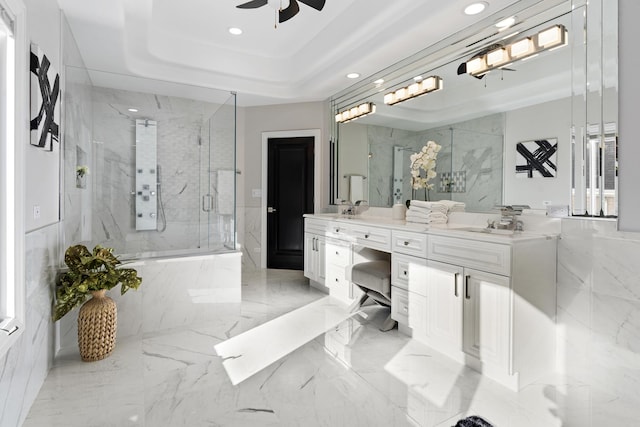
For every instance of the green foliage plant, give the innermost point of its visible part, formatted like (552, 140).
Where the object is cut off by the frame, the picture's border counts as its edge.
(89, 272)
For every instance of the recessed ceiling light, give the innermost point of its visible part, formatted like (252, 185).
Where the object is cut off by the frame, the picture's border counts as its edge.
(506, 23)
(353, 75)
(378, 82)
(417, 78)
(235, 31)
(475, 8)
(133, 110)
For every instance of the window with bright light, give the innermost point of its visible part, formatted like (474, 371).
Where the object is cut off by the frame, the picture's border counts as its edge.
(11, 235)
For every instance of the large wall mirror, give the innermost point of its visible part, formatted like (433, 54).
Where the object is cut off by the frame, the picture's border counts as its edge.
(539, 128)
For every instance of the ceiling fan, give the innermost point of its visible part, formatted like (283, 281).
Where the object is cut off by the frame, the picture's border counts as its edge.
(286, 9)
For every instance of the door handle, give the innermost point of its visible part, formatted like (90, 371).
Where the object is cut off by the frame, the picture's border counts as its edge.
(466, 287)
(207, 202)
(271, 210)
(313, 245)
(455, 284)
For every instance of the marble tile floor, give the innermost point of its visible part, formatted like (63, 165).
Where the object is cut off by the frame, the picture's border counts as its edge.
(351, 375)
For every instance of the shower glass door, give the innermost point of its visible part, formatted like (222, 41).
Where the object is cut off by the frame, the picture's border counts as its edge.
(218, 179)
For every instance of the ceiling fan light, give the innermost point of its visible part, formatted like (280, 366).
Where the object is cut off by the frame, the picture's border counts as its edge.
(279, 4)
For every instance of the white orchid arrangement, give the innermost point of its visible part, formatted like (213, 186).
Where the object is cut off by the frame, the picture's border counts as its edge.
(425, 160)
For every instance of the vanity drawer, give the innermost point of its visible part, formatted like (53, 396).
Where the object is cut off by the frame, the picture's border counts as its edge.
(409, 273)
(336, 281)
(337, 253)
(372, 237)
(338, 230)
(484, 256)
(400, 305)
(409, 243)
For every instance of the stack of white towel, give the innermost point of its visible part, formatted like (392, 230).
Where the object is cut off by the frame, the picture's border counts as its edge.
(453, 206)
(432, 212)
(427, 212)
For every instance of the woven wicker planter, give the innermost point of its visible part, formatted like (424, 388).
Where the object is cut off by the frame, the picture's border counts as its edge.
(97, 323)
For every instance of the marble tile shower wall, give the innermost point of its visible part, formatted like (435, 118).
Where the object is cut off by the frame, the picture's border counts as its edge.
(180, 147)
(599, 318)
(381, 142)
(477, 151)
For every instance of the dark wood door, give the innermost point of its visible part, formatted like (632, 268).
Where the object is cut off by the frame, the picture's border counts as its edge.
(289, 196)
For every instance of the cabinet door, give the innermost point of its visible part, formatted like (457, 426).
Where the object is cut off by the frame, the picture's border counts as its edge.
(444, 306)
(486, 316)
(310, 256)
(321, 264)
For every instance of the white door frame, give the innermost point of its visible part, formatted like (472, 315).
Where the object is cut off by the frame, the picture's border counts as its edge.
(317, 176)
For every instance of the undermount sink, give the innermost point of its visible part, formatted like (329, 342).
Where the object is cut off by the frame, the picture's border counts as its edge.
(488, 230)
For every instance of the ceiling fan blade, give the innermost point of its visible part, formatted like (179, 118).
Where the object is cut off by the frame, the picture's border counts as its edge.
(253, 4)
(316, 4)
(289, 12)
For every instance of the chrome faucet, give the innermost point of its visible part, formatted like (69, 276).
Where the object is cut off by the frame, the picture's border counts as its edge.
(349, 209)
(508, 219)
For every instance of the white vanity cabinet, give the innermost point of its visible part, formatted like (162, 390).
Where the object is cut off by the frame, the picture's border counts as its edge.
(486, 300)
(492, 305)
(408, 278)
(338, 257)
(314, 250)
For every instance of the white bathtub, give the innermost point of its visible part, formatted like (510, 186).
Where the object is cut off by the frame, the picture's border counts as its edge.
(176, 291)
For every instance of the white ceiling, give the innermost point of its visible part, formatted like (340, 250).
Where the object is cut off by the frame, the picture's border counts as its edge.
(304, 59)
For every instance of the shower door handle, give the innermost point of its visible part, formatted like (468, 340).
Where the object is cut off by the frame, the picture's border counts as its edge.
(207, 202)
(271, 210)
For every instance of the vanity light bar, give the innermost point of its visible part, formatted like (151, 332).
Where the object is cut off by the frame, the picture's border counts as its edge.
(356, 112)
(548, 39)
(430, 84)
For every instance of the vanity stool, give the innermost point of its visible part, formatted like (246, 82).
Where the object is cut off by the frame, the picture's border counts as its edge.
(374, 279)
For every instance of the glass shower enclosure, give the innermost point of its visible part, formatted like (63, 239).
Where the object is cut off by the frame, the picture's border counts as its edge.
(158, 171)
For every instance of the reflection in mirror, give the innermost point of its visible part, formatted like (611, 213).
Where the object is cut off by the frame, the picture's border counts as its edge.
(529, 115)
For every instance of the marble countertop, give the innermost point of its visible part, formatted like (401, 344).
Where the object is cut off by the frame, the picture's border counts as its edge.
(465, 226)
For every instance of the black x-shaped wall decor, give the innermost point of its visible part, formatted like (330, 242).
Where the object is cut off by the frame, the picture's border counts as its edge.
(47, 130)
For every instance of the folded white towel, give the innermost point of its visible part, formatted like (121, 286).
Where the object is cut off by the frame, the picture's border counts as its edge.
(423, 204)
(426, 221)
(441, 209)
(426, 214)
(453, 206)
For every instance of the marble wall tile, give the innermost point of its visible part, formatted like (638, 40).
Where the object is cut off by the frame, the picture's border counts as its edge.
(252, 237)
(474, 146)
(599, 317)
(24, 368)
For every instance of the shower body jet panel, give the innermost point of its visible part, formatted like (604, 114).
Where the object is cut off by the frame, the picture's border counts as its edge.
(146, 175)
